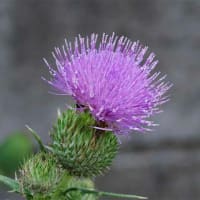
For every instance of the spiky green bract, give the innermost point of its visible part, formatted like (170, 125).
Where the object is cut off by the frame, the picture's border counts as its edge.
(81, 149)
(39, 176)
(68, 182)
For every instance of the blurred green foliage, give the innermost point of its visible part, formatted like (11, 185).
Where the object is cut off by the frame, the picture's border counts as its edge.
(13, 150)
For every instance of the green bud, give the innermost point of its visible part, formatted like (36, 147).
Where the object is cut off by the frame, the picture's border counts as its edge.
(39, 176)
(81, 149)
(69, 182)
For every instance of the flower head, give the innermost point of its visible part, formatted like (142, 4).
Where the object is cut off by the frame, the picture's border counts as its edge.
(112, 79)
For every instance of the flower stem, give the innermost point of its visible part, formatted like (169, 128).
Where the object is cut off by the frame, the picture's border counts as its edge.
(101, 193)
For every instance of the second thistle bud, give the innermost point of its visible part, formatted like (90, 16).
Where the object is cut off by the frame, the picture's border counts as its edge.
(40, 175)
(81, 149)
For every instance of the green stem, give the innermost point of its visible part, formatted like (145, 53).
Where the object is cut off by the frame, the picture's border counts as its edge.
(101, 193)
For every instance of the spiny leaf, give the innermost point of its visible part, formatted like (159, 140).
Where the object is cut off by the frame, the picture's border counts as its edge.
(37, 138)
(13, 184)
(101, 193)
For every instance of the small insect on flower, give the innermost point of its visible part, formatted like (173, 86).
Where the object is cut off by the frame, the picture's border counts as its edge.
(112, 79)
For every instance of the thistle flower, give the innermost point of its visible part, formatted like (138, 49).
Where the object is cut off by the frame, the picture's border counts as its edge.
(111, 78)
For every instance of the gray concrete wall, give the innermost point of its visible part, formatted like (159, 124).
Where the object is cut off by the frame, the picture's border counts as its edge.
(164, 164)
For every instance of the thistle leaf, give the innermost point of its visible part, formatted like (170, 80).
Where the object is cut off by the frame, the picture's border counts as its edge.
(101, 193)
(13, 184)
(37, 138)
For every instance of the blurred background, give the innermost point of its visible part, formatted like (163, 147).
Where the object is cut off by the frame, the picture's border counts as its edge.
(162, 165)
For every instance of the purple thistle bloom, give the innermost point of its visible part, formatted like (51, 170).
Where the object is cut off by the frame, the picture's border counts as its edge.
(112, 79)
